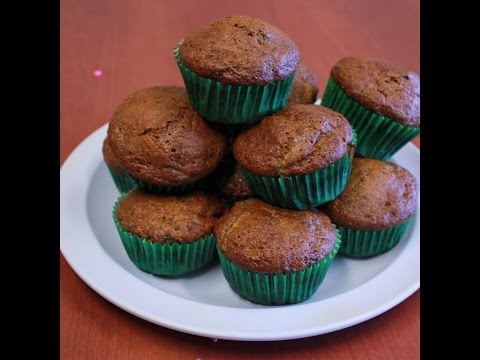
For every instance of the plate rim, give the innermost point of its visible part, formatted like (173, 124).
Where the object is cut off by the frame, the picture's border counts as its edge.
(199, 324)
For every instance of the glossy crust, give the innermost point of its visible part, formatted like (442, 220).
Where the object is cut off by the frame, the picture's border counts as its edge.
(263, 238)
(161, 218)
(378, 195)
(159, 138)
(304, 87)
(381, 87)
(240, 50)
(299, 139)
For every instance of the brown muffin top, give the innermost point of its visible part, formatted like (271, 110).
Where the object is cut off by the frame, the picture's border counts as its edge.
(381, 87)
(158, 137)
(240, 50)
(263, 238)
(298, 139)
(110, 159)
(378, 195)
(162, 218)
(304, 87)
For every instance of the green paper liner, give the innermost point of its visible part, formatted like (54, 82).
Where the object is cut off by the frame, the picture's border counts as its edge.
(160, 189)
(123, 183)
(368, 243)
(169, 258)
(280, 288)
(379, 137)
(305, 191)
(233, 104)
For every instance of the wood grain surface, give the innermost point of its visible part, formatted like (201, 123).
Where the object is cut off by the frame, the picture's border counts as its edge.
(131, 43)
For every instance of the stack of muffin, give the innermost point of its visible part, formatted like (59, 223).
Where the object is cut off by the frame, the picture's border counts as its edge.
(242, 164)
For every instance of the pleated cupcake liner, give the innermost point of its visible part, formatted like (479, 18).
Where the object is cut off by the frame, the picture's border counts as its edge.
(279, 288)
(368, 243)
(379, 137)
(123, 183)
(161, 189)
(305, 191)
(166, 259)
(233, 104)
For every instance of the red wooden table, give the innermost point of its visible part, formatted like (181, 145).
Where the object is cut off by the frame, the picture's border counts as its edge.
(131, 42)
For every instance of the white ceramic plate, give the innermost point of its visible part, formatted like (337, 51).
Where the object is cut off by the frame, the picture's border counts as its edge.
(202, 303)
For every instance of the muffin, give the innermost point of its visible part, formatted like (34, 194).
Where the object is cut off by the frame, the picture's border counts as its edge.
(237, 69)
(304, 87)
(298, 158)
(122, 181)
(162, 142)
(167, 234)
(374, 211)
(229, 182)
(381, 101)
(275, 256)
